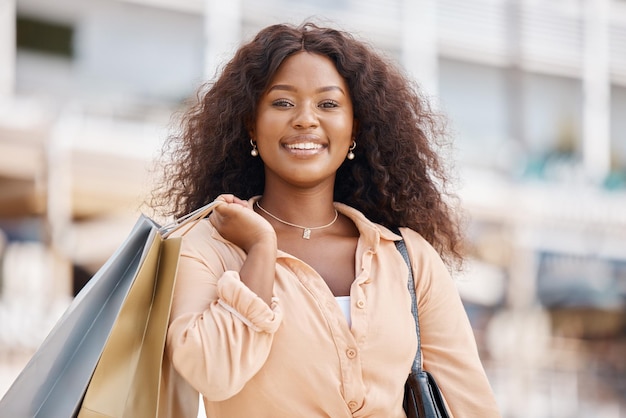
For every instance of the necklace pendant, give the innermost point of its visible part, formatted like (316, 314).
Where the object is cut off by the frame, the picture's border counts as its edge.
(307, 233)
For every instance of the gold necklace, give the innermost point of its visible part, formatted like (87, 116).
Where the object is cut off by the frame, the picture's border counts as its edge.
(306, 234)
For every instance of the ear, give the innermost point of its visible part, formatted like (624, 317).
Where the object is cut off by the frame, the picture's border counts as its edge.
(250, 128)
(355, 127)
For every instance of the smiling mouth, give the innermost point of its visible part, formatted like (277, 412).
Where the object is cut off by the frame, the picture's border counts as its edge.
(304, 146)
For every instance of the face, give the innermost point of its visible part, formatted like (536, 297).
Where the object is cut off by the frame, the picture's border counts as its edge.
(304, 124)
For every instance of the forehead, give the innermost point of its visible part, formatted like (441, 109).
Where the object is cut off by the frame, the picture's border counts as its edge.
(306, 69)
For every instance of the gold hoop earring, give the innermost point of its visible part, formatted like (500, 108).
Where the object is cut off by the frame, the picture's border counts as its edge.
(255, 151)
(350, 155)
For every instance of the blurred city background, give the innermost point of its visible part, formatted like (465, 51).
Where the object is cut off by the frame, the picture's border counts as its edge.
(536, 96)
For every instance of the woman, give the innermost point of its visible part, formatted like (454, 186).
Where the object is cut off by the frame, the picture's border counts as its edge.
(291, 299)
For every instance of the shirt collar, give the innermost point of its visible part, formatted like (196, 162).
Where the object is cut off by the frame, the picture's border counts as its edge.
(370, 232)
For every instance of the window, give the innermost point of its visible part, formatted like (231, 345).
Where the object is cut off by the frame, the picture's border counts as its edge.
(42, 36)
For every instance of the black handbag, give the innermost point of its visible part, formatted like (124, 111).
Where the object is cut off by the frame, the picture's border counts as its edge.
(422, 397)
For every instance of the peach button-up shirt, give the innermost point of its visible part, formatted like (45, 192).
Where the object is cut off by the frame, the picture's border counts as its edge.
(299, 357)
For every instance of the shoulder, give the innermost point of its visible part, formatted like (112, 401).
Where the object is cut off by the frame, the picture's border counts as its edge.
(424, 258)
(417, 244)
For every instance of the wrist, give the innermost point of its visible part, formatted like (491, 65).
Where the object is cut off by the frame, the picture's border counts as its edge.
(266, 246)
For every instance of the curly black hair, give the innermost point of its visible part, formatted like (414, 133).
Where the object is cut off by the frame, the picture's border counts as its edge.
(398, 177)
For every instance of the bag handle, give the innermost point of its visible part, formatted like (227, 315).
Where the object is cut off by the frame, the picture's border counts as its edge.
(190, 219)
(417, 362)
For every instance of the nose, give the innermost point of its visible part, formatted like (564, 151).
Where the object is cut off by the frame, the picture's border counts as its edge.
(305, 117)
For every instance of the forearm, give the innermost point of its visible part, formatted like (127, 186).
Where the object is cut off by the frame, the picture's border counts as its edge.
(220, 350)
(220, 333)
(259, 269)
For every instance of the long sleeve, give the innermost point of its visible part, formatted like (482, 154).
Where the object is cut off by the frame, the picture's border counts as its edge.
(448, 346)
(220, 332)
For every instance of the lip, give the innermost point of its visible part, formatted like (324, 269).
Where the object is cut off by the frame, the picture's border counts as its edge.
(304, 145)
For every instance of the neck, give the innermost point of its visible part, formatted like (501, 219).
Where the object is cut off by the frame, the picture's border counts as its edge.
(307, 208)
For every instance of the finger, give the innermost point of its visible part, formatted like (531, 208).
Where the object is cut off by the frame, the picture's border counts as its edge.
(228, 198)
(242, 202)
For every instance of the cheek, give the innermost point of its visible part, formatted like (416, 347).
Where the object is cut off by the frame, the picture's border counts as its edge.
(344, 127)
(266, 124)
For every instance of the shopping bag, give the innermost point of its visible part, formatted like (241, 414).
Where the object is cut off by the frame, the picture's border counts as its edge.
(53, 382)
(129, 377)
(56, 379)
(126, 379)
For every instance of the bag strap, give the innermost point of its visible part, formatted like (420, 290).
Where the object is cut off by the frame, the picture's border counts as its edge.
(401, 246)
(190, 219)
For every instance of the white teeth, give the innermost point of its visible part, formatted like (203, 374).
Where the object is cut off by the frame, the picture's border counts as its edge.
(304, 146)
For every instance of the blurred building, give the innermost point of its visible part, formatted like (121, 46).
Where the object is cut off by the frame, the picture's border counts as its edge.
(536, 95)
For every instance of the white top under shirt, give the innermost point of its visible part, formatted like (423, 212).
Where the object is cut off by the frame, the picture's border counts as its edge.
(344, 304)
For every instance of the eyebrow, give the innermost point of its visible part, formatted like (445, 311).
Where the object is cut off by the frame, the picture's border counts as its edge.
(291, 88)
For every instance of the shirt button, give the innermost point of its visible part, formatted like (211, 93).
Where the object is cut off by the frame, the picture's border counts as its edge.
(352, 405)
(360, 303)
(351, 353)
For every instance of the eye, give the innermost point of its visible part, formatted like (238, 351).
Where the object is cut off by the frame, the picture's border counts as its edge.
(328, 104)
(282, 103)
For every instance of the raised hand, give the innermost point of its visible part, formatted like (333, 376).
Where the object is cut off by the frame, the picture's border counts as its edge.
(240, 224)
